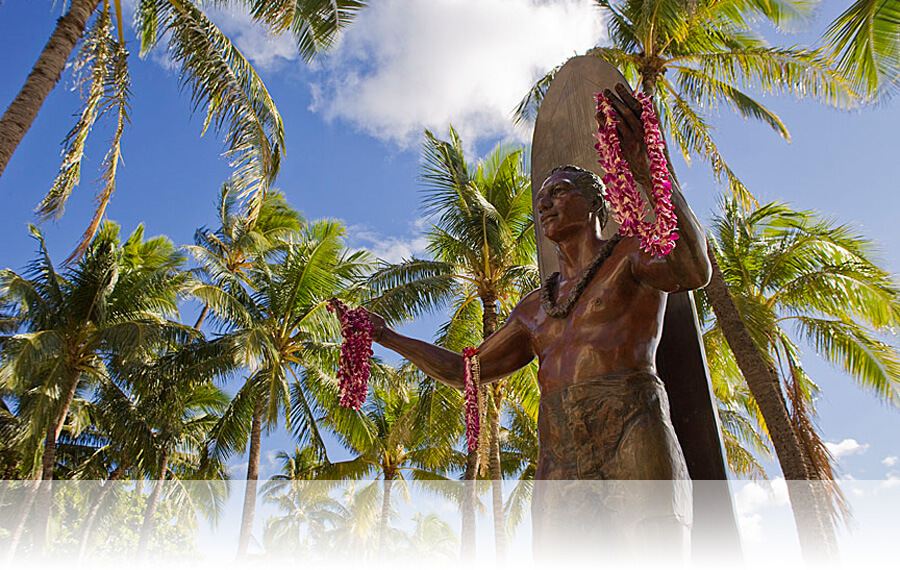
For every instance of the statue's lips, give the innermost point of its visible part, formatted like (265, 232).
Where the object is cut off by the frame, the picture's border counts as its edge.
(546, 217)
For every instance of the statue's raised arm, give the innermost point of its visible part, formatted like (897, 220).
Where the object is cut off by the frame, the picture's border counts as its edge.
(687, 266)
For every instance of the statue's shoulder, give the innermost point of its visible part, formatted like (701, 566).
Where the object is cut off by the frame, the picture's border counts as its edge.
(627, 248)
(527, 308)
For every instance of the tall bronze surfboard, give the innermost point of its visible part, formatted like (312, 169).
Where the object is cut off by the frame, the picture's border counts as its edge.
(563, 134)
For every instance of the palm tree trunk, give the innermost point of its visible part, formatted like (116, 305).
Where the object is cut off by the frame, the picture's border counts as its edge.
(202, 316)
(150, 511)
(497, 478)
(110, 482)
(467, 532)
(43, 77)
(761, 377)
(385, 517)
(44, 499)
(489, 325)
(813, 527)
(252, 477)
(21, 520)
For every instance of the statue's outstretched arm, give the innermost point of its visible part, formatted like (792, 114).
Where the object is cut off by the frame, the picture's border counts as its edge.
(501, 354)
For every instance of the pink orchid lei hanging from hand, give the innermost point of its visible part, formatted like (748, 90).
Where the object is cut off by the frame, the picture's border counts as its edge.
(471, 378)
(356, 350)
(627, 205)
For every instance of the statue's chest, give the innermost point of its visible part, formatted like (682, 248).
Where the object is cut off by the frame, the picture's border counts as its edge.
(602, 302)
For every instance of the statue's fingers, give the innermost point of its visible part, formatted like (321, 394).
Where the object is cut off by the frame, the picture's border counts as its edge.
(627, 117)
(629, 99)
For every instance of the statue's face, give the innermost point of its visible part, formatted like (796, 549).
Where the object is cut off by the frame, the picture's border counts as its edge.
(562, 208)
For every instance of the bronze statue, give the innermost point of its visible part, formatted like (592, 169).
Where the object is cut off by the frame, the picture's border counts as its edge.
(595, 328)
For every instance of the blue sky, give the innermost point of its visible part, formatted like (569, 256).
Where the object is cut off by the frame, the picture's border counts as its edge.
(354, 122)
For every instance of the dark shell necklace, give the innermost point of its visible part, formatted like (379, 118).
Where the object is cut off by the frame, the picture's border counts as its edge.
(551, 285)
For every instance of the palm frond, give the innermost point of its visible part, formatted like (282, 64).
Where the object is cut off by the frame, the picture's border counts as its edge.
(866, 40)
(871, 362)
(237, 102)
(94, 56)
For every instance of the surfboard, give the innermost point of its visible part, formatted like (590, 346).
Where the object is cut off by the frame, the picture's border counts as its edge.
(563, 134)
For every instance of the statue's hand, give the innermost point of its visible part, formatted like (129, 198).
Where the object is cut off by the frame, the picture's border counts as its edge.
(630, 129)
(378, 325)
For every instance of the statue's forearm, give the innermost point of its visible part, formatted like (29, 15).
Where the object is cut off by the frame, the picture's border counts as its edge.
(689, 260)
(439, 363)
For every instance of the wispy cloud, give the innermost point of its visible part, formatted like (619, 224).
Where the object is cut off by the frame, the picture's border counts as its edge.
(406, 65)
(846, 447)
(758, 495)
(890, 461)
(392, 249)
(265, 50)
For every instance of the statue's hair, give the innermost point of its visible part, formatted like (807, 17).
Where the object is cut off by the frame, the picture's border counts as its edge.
(590, 186)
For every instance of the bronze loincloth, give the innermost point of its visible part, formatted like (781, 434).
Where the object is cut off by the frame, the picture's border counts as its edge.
(611, 474)
(613, 427)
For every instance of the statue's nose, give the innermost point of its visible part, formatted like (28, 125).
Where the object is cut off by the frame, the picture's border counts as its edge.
(544, 203)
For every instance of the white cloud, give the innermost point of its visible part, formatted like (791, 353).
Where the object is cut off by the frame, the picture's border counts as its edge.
(846, 447)
(263, 49)
(406, 65)
(751, 528)
(392, 249)
(755, 496)
(892, 480)
(890, 461)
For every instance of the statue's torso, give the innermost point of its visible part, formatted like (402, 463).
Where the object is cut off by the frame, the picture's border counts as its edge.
(604, 413)
(613, 328)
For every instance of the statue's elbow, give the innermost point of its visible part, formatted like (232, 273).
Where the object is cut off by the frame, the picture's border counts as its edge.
(700, 274)
(705, 276)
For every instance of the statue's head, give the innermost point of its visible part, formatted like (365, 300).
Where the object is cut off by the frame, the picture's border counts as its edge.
(589, 185)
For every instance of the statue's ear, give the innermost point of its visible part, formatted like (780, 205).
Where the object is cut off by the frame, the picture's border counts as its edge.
(601, 208)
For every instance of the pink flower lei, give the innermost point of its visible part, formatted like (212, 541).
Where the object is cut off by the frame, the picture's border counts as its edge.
(356, 350)
(471, 377)
(628, 207)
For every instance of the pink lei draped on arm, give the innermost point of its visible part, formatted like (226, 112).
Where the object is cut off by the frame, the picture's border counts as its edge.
(471, 377)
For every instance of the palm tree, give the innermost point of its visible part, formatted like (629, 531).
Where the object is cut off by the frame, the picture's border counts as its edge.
(389, 444)
(483, 252)
(797, 276)
(866, 39)
(226, 254)
(284, 337)
(309, 511)
(163, 409)
(218, 76)
(116, 302)
(432, 539)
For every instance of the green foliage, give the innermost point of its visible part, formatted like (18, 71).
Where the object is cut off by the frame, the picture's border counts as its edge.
(866, 39)
(68, 329)
(116, 536)
(220, 79)
(266, 281)
(800, 279)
